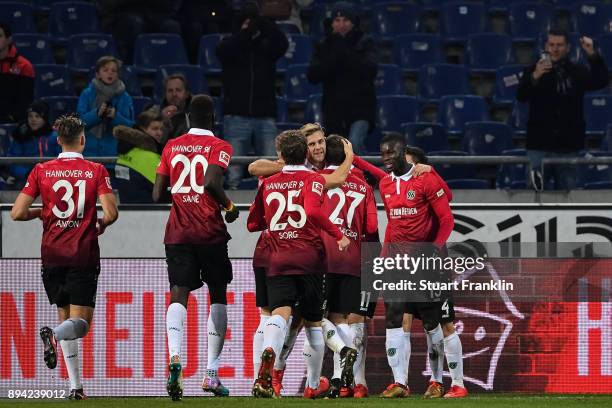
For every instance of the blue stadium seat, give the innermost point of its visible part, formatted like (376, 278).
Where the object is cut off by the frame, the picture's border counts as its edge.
(319, 13)
(299, 51)
(518, 118)
(411, 51)
(513, 176)
(84, 50)
(606, 142)
(426, 135)
(207, 54)
(453, 171)
(393, 110)
(35, 47)
(43, 5)
(153, 50)
(6, 129)
(565, 5)
(281, 126)
(530, 19)
(437, 80)
(592, 18)
(282, 112)
(594, 176)
(506, 82)
(468, 184)
(19, 16)
(52, 80)
(297, 88)
(456, 110)
(61, 105)
(388, 80)
(604, 47)
(218, 108)
(458, 19)
(486, 138)
(314, 110)
(575, 52)
(72, 17)
(394, 18)
(485, 52)
(193, 73)
(597, 113)
(140, 103)
(288, 28)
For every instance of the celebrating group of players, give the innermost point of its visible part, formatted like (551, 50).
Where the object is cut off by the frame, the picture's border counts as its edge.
(314, 208)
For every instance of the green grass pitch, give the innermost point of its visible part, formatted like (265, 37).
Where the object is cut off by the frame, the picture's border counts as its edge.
(481, 401)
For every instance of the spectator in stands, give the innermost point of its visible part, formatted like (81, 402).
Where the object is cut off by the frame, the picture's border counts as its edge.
(345, 62)
(175, 105)
(16, 80)
(296, 7)
(248, 57)
(103, 105)
(555, 88)
(32, 138)
(139, 151)
(125, 20)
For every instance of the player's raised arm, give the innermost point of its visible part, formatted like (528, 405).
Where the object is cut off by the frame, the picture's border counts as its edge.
(265, 168)
(339, 175)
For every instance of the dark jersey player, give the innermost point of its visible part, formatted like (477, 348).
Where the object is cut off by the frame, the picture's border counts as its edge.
(192, 165)
(288, 204)
(69, 187)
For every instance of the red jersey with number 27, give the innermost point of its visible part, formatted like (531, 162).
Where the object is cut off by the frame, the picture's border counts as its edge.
(69, 187)
(195, 217)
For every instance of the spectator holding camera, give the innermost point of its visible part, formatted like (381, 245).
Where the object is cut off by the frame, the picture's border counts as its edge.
(103, 105)
(555, 88)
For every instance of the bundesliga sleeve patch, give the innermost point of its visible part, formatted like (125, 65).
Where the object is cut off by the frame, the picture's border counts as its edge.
(440, 192)
(108, 183)
(317, 187)
(224, 157)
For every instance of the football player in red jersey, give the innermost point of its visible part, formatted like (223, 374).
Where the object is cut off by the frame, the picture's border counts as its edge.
(288, 204)
(69, 187)
(192, 165)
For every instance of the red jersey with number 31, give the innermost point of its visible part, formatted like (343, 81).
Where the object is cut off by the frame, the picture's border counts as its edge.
(195, 217)
(69, 187)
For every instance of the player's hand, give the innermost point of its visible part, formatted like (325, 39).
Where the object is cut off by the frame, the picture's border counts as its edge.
(232, 214)
(421, 169)
(587, 45)
(542, 67)
(348, 148)
(343, 243)
(100, 226)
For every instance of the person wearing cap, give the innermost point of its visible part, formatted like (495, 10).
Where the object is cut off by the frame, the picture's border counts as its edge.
(345, 63)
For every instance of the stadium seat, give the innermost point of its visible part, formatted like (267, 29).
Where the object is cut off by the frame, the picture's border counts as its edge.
(193, 73)
(19, 16)
(84, 50)
(513, 176)
(314, 110)
(6, 129)
(486, 138)
(458, 19)
(394, 18)
(506, 82)
(43, 5)
(594, 176)
(207, 54)
(565, 5)
(426, 135)
(140, 103)
(411, 51)
(485, 52)
(319, 13)
(592, 18)
(456, 110)
(437, 80)
(518, 118)
(288, 28)
(52, 80)
(218, 102)
(453, 171)
(299, 51)
(282, 112)
(282, 126)
(153, 50)
(597, 113)
(60, 105)
(530, 19)
(606, 142)
(575, 52)
(388, 80)
(297, 88)
(393, 110)
(604, 47)
(72, 17)
(468, 184)
(35, 47)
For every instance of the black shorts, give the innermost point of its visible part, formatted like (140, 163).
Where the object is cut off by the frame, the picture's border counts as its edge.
(191, 265)
(303, 292)
(343, 294)
(443, 312)
(261, 291)
(71, 285)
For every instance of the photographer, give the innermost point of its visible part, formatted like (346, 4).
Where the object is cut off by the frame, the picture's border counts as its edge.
(103, 105)
(555, 88)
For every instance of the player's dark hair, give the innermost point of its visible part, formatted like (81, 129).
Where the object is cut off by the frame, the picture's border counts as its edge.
(417, 154)
(202, 112)
(180, 77)
(6, 28)
(393, 137)
(282, 135)
(559, 33)
(334, 154)
(69, 128)
(293, 147)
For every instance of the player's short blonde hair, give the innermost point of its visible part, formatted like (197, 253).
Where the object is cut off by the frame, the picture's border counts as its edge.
(310, 128)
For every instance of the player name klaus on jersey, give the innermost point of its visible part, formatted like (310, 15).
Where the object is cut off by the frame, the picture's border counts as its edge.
(401, 212)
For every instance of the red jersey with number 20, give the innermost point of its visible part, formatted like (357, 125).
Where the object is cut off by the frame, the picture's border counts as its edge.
(195, 217)
(69, 187)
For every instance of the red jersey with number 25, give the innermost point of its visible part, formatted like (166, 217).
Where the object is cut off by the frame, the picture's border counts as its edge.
(195, 217)
(69, 187)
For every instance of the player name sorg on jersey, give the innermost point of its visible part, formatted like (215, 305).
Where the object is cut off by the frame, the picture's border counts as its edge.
(195, 217)
(69, 187)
